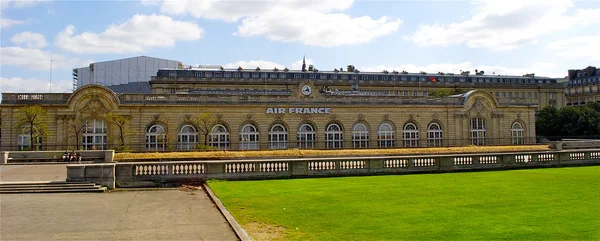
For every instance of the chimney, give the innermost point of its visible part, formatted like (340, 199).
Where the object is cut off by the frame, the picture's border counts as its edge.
(310, 67)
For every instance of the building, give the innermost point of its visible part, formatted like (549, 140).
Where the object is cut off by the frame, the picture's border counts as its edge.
(583, 86)
(130, 75)
(282, 109)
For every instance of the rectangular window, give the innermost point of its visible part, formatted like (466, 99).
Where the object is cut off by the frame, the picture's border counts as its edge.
(413, 78)
(509, 94)
(255, 75)
(344, 76)
(414, 93)
(323, 76)
(198, 74)
(297, 76)
(503, 94)
(355, 77)
(334, 76)
(384, 78)
(227, 75)
(522, 94)
(364, 77)
(552, 96)
(373, 77)
(497, 94)
(282, 76)
(246, 75)
(528, 94)
(172, 74)
(425, 93)
(208, 75)
(312, 76)
(404, 78)
(405, 93)
(217, 75)
(264, 75)
(535, 95)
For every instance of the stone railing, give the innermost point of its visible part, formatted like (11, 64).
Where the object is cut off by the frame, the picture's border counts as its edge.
(140, 174)
(35, 98)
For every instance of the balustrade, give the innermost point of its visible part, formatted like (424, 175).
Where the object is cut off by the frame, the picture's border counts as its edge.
(395, 163)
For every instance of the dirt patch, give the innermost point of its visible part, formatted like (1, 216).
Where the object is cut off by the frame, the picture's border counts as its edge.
(264, 232)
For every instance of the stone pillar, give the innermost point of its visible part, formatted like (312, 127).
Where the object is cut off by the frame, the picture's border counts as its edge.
(3, 157)
(109, 155)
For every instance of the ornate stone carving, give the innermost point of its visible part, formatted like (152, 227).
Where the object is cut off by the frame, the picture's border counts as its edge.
(219, 117)
(278, 117)
(386, 117)
(156, 117)
(360, 117)
(478, 107)
(497, 114)
(249, 117)
(436, 116)
(187, 117)
(94, 107)
(333, 117)
(306, 117)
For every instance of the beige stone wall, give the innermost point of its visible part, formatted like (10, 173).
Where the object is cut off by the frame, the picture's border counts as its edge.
(93, 102)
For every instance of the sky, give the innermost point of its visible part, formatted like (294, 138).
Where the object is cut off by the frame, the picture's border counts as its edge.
(42, 41)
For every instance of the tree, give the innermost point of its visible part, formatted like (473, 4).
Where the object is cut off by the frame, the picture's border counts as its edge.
(121, 122)
(76, 128)
(32, 120)
(205, 122)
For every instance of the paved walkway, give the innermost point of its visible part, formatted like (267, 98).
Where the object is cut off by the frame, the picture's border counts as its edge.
(171, 214)
(13, 173)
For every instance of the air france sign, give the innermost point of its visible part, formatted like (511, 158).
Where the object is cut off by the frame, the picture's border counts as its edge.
(299, 110)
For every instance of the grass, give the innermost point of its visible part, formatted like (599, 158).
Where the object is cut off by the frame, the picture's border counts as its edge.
(533, 204)
(316, 153)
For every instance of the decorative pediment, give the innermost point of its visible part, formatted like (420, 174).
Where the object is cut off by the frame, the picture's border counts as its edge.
(333, 117)
(307, 117)
(94, 107)
(478, 108)
(386, 117)
(278, 117)
(219, 117)
(249, 117)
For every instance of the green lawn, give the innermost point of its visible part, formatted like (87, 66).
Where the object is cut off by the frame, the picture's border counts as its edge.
(535, 204)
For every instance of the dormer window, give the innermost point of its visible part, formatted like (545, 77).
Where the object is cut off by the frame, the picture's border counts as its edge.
(208, 75)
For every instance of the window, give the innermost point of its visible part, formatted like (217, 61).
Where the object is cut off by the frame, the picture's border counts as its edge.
(503, 94)
(94, 135)
(478, 131)
(410, 135)
(528, 94)
(535, 95)
(227, 75)
(312, 76)
(373, 77)
(414, 93)
(236, 75)
(282, 76)
(354, 77)
(297, 76)
(522, 94)
(385, 78)
(219, 137)
(187, 138)
(246, 75)
(255, 75)
(249, 138)
(510, 94)
(307, 137)
(385, 135)
(323, 76)
(405, 93)
(344, 77)
(278, 137)
(217, 75)
(208, 75)
(333, 137)
(198, 74)
(334, 76)
(172, 74)
(264, 75)
(156, 139)
(552, 96)
(360, 136)
(434, 135)
(517, 134)
(497, 94)
(24, 139)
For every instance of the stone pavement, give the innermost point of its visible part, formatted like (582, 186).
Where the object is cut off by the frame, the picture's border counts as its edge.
(13, 173)
(168, 214)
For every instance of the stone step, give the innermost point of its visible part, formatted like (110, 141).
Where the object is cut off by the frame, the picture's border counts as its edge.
(101, 189)
(46, 185)
(49, 187)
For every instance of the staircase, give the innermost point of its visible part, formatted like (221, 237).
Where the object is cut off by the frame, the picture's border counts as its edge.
(49, 187)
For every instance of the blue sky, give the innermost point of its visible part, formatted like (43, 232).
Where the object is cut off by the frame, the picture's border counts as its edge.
(503, 37)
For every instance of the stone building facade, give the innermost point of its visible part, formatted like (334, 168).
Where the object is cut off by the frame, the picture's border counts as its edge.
(293, 114)
(583, 86)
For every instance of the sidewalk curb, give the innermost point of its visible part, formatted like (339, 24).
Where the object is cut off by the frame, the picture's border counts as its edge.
(239, 231)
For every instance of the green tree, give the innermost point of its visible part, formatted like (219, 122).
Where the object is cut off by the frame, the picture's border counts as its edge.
(76, 128)
(205, 122)
(32, 120)
(121, 122)
(547, 123)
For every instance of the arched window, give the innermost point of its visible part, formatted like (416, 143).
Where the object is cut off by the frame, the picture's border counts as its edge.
(434, 135)
(385, 135)
(156, 138)
(94, 135)
(517, 134)
(249, 138)
(360, 136)
(24, 139)
(410, 135)
(307, 137)
(333, 136)
(278, 137)
(477, 131)
(219, 137)
(187, 138)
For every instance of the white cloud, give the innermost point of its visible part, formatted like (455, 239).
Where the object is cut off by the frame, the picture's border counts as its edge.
(313, 23)
(30, 40)
(36, 59)
(7, 23)
(149, 2)
(539, 68)
(33, 85)
(252, 64)
(138, 34)
(501, 26)
(580, 47)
